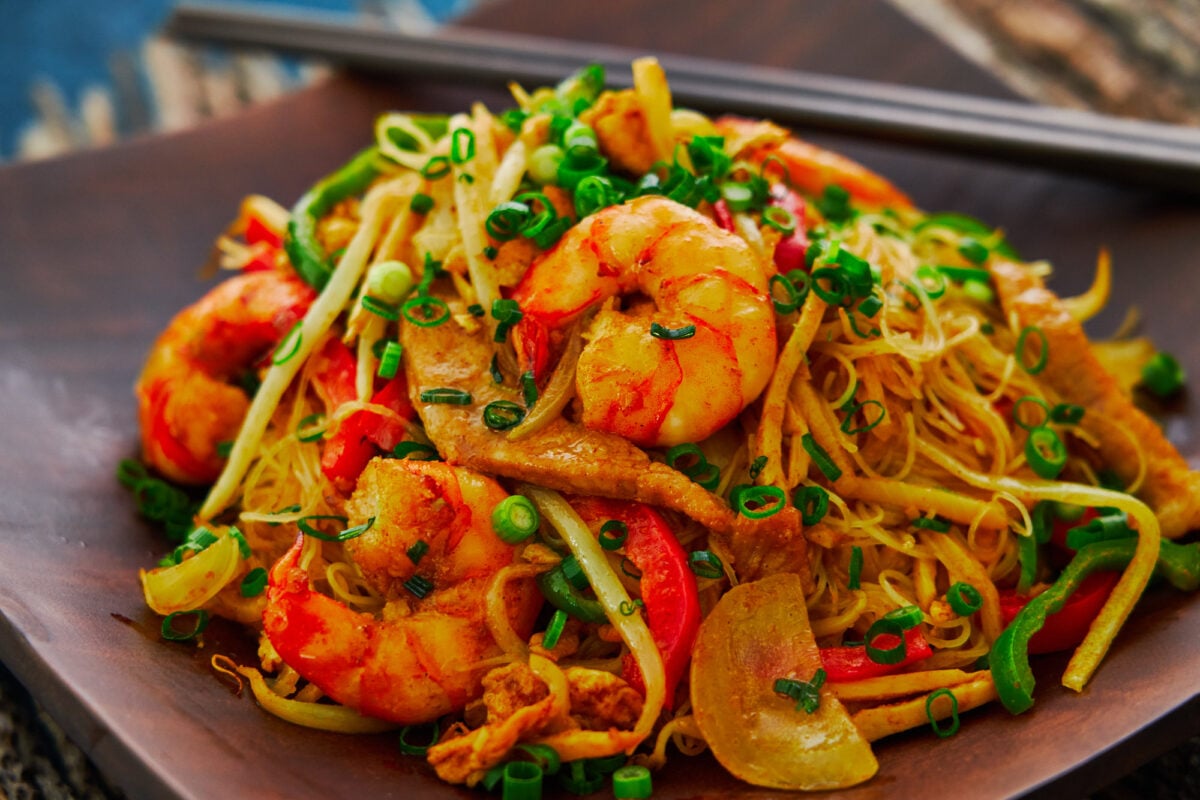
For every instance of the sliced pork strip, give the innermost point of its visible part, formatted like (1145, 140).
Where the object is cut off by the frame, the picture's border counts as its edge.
(1170, 487)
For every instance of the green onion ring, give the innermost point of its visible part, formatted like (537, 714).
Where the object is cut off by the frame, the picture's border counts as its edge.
(436, 168)
(1036, 401)
(886, 655)
(932, 281)
(1043, 352)
(500, 415)
(954, 722)
(461, 153)
(429, 731)
(1045, 453)
(906, 616)
(813, 502)
(706, 564)
(613, 534)
(427, 307)
(171, 634)
(515, 519)
(846, 429)
(964, 599)
(839, 286)
(379, 308)
(1067, 414)
(767, 500)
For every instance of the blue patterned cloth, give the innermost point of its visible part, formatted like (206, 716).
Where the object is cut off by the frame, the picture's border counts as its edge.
(75, 73)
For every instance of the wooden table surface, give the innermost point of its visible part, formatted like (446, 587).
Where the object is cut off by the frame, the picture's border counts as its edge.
(77, 312)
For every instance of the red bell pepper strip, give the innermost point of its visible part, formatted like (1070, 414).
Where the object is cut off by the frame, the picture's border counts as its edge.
(265, 245)
(1066, 628)
(669, 594)
(790, 250)
(363, 434)
(531, 338)
(723, 216)
(257, 231)
(847, 664)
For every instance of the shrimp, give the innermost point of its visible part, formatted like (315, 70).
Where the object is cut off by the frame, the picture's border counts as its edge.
(810, 168)
(423, 656)
(187, 402)
(708, 295)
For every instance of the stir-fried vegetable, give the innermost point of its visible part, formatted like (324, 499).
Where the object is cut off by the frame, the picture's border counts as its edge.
(757, 634)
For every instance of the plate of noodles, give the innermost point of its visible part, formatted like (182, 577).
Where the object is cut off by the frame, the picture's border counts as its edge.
(586, 444)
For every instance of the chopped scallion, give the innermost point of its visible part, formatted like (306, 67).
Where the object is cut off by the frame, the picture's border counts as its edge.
(757, 502)
(389, 362)
(821, 458)
(613, 534)
(500, 415)
(426, 737)
(706, 564)
(515, 519)
(289, 346)
(1045, 453)
(419, 586)
(446, 396)
(813, 502)
(662, 332)
(964, 599)
(854, 579)
(632, 782)
(1162, 375)
(554, 630)
(950, 729)
(253, 584)
(1043, 353)
(198, 619)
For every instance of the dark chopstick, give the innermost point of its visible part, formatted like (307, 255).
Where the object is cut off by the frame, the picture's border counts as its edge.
(1145, 153)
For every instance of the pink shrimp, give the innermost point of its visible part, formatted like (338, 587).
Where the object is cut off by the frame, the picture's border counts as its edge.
(187, 403)
(685, 359)
(423, 656)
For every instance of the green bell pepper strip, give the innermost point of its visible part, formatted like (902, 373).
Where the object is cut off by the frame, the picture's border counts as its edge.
(301, 245)
(1009, 658)
(559, 592)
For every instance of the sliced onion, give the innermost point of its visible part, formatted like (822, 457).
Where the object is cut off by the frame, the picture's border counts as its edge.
(190, 584)
(757, 633)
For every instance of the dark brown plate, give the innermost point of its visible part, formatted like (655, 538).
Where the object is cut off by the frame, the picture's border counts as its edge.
(100, 249)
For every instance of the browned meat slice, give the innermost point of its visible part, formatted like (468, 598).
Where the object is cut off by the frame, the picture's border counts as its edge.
(570, 458)
(1171, 487)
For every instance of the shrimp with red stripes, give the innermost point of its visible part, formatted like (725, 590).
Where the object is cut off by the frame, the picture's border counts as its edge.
(188, 401)
(429, 549)
(809, 168)
(692, 342)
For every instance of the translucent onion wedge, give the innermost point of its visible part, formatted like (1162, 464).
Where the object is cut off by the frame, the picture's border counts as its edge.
(757, 633)
(192, 583)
